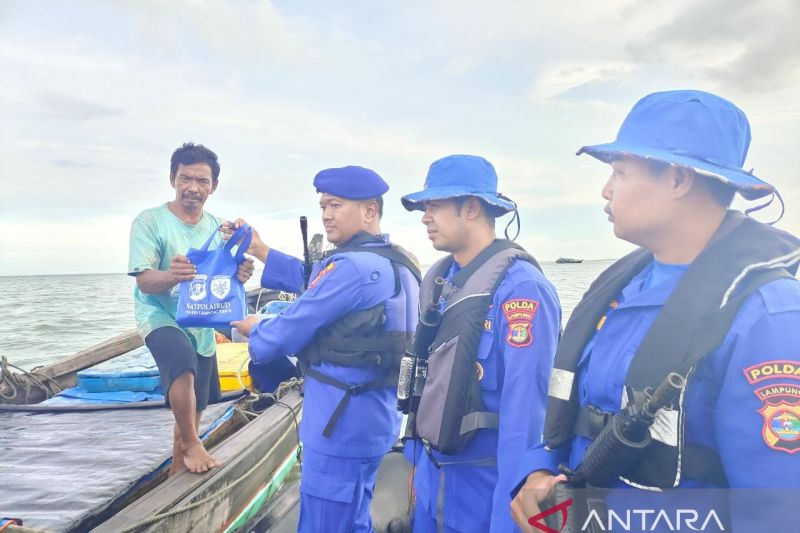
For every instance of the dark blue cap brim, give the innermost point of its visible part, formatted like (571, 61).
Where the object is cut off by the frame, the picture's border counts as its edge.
(749, 186)
(416, 201)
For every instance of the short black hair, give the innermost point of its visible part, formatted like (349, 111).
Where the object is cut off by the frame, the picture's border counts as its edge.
(657, 167)
(378, 200)
(721, 192)
(488, 211)
(192, 154)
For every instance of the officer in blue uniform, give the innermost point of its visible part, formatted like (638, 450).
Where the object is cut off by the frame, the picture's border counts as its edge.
(518, 331)
(348, 329)
(676, 165)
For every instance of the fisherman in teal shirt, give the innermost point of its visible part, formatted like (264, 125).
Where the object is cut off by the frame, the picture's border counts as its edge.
(159, 240)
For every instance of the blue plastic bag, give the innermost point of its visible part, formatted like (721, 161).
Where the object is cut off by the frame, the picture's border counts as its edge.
(215, 297)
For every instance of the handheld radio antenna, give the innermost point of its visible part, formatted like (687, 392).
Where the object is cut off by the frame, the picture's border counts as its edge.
(306, 254)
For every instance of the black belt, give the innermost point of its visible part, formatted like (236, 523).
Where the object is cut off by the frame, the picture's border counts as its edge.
(349, 390)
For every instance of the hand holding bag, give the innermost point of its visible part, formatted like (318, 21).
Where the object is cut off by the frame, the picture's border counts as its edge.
(215, 297)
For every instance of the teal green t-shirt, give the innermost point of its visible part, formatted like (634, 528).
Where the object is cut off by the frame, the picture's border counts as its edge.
(156, 237)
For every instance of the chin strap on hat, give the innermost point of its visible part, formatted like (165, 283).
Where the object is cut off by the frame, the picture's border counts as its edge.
(513, 218)
(774, 195)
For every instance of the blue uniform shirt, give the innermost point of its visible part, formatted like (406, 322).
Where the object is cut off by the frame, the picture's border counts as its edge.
(723, 396)
(339, 285)
(516, 357)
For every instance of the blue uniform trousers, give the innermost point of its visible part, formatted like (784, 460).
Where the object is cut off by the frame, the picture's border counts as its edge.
(336, 492)
(425, 523)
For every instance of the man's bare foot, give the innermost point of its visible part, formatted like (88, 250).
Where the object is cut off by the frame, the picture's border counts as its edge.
(177, 455)
(177, 464)
(198, 460)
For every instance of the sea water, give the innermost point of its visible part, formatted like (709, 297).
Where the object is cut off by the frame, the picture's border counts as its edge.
(46, 318)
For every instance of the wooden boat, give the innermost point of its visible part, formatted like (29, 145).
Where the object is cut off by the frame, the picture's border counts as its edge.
(256, 454)
(257, 444)
(563, 260)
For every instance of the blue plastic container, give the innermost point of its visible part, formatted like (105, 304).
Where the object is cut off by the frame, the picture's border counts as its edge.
(135, 371)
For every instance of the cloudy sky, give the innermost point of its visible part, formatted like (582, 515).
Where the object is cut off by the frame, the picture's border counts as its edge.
(95, 96)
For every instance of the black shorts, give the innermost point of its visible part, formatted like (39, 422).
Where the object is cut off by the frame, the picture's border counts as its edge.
(175, 355)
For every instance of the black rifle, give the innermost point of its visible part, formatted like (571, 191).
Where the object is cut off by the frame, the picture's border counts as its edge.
(306, 255)
(414, 364)
(614, 451)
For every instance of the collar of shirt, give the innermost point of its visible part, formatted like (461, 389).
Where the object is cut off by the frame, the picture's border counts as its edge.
(652, 286)
(452, 271)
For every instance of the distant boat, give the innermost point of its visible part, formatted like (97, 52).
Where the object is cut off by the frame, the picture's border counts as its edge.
(568, 260)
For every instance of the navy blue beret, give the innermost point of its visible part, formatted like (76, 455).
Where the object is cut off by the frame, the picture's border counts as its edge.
(354, 183)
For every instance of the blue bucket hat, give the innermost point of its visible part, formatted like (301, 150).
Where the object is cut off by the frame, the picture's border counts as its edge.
(460, 175)
(693, 129)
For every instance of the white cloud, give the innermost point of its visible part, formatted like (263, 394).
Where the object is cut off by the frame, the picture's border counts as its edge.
(242, 32)
(558, 79)
(461, 65)
(102, 93)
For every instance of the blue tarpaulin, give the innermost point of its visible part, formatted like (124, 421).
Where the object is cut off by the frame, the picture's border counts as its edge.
(58, 469)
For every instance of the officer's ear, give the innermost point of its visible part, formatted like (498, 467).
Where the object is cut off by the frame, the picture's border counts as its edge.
(371, 210)
(682, 180)
(472, 208)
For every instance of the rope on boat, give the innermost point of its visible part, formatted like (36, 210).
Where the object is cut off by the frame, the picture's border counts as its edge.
(282, 389)
(280, 392)
(25, 381)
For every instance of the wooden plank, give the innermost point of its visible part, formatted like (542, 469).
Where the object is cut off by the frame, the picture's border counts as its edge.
(64, 371)
(238, 453)
(216, 514)
(66, 368)
(278, 510)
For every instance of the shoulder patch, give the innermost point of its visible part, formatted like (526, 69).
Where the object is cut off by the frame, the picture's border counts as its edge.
(780, 408)
(519, 314)
(325, 271)
(778, 369)
(781, 413)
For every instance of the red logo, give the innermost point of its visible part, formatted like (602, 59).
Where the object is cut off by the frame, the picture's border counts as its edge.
(519, 314)
(537, 521)
(322, 272)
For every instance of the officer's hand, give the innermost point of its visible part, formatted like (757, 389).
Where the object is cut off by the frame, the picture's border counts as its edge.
(245, 270)
(181, 269)
(536, 489)
(257, 247)
(246, 325)
(228, 228)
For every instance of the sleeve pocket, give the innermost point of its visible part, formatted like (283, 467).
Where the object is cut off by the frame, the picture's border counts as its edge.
(486, 364)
